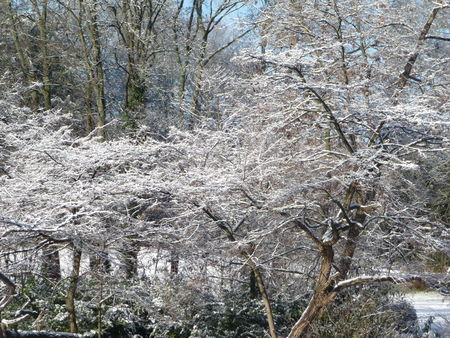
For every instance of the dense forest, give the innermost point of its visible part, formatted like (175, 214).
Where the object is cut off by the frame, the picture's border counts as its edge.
(222, 168)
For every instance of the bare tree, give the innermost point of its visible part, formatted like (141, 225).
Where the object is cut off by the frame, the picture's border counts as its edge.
(137, 24)
(193, 46)
(313, 180)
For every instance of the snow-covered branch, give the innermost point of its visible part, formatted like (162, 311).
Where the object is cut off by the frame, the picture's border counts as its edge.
(375, 279)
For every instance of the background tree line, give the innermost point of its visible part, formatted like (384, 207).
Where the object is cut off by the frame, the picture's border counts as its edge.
(118, 59)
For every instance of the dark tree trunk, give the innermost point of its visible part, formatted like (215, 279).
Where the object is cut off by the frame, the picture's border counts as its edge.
(130, 256)
(253, 286)
(51, 268)
(174, 263)
(100, 263)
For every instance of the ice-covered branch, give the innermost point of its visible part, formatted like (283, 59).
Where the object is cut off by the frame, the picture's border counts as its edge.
(374, 279)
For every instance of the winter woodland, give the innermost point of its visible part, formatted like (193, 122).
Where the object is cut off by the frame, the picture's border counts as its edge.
(222, 168)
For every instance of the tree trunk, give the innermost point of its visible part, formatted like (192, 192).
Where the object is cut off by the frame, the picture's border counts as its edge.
(183, 64)
(41, 14)
(135, 94)
(90, 122)
(46, 90)
(263, 292)
(420, 42)
(71, 292)
(130, 256)
(89, 89)
(316, 306)
(253, 285)
(100, 263)
(99, 76)
(198, 77)
(323, 296)
(174, 263)
(51, 268)
(247, 255)
(24, 62)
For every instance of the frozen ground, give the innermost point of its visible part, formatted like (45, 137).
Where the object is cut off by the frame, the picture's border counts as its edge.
(432, 304)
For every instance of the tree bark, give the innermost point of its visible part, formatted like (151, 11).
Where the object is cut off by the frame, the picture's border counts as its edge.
(41, 14)
(317, 304)
(413, 57)
(90, 120)
(51, 268)
(24, 62)
(130, 259)
(98, 71)
(323, 294)
(253, 285)
(174, 263)
(265, 298)
(71, 292)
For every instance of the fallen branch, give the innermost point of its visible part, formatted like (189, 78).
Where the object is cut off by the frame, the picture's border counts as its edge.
(42, 334)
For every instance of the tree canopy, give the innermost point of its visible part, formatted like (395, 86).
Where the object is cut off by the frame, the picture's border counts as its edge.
(157, 158)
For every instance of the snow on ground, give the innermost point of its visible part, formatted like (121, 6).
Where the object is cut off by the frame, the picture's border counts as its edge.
(432, 304)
